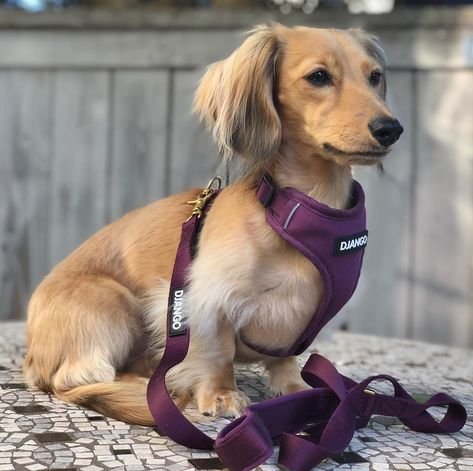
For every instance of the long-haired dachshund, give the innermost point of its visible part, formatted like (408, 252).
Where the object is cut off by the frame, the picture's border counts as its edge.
(303, 104)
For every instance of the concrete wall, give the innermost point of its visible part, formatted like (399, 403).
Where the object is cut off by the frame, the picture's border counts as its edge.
(95, 120)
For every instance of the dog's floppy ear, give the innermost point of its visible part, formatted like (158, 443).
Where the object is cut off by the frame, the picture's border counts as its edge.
(373, 47)
(235, 99)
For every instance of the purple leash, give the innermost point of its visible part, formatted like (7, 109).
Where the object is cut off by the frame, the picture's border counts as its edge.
(309, 426)
(167, 415)
(328, 416)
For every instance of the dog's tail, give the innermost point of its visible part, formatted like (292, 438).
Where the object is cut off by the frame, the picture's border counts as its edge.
(124, 399)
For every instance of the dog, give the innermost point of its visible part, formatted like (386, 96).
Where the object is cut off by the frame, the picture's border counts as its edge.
(303, 104)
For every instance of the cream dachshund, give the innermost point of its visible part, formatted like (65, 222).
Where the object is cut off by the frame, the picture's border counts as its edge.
(304, 105)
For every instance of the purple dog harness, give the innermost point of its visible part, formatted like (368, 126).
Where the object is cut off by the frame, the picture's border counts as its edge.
(311, 425)
(332, 239)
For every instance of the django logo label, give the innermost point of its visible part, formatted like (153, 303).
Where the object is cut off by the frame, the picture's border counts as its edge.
(349, 244)
(176, 321)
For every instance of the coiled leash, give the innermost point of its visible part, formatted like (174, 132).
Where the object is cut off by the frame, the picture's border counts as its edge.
(310, 425)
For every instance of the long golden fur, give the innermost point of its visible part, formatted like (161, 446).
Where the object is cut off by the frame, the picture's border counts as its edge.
(96, 322)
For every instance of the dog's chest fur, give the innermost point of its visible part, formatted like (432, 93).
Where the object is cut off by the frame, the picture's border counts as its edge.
(284, 302)
(266, 289)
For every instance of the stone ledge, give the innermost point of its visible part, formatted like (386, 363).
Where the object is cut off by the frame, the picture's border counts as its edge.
(38, 431)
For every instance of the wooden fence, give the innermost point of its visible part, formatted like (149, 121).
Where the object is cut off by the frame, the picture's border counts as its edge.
(95, 120)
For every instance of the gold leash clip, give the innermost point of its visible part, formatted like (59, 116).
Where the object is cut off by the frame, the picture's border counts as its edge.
(203, 198)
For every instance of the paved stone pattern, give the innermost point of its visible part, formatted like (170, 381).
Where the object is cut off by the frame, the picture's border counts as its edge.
(39, 432)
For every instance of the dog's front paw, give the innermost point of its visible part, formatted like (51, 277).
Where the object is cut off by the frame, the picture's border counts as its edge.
(285, 377)
(222, 403)
(288, 388)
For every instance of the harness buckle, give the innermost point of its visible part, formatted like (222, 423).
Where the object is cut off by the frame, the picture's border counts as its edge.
(204, 196)
(265, 191)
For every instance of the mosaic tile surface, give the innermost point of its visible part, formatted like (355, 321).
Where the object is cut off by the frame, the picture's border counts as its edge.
(40, 432)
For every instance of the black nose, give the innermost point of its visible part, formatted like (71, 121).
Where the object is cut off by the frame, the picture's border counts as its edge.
(385, 130)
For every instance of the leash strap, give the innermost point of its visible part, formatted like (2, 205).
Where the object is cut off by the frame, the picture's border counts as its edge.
(319, 423)
(167, 415)
(309, 426)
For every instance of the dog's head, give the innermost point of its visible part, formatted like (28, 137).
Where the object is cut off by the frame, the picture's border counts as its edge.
(320, 90)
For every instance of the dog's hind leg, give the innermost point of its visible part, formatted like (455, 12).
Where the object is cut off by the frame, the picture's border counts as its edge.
(81, 330)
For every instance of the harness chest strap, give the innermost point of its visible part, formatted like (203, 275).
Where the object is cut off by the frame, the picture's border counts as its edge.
(328, 414)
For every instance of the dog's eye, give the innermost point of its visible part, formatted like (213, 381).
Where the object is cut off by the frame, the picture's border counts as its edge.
(319, 78)
(375, 78)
